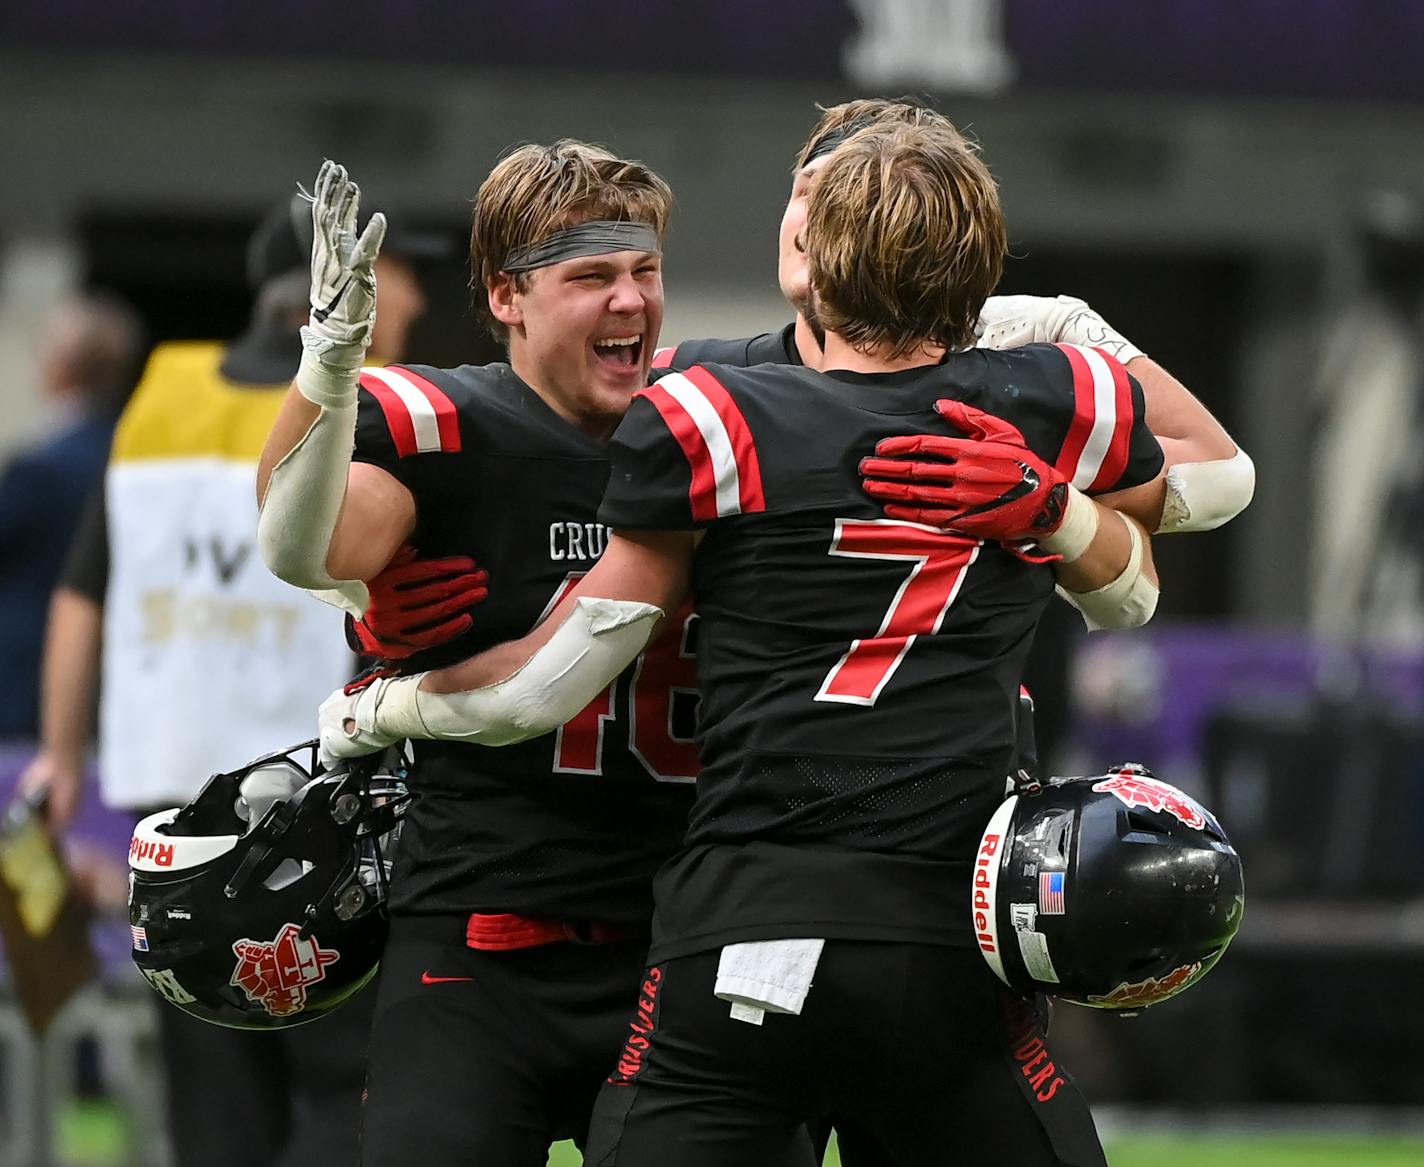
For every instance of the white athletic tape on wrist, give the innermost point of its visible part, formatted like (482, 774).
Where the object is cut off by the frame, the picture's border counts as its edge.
(1077, 530)
(303, 502)
(1126, 602)
(1201, 496)
(330, 386)
(595, 643)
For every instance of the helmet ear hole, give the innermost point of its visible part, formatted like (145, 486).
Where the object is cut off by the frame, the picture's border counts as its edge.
(1150, 824)
(287, 873)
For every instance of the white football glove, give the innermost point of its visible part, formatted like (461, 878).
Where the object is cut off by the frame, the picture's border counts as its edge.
(347, 724)
(1011, 321)
(343, 290)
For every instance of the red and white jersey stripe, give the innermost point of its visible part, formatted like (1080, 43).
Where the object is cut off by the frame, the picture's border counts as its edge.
(422, 419)
(1095, 452)
(664, 357)
(715, 437)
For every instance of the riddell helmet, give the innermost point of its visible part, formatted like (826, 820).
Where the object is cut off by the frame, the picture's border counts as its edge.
(261, 904)
(1115, 891)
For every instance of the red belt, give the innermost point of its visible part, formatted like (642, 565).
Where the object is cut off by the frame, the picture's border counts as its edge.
(504, 931)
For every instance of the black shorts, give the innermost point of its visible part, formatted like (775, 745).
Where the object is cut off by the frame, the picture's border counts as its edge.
(488, 1057)
(918, 1046)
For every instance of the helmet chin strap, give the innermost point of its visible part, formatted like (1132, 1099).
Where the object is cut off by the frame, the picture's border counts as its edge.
(256, 863)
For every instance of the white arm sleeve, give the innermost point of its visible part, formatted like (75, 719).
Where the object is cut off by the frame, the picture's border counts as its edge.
(1201, 496)
(303, 502)
(591, 647)
(1126, 602)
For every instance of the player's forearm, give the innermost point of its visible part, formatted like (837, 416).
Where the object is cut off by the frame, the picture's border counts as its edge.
(294, 420)
(531, 686)
(1187, 430)
(307, 463)
(1207, 478)
(1105, 557)
(556, 672)
(1107, 571)
(69, 679)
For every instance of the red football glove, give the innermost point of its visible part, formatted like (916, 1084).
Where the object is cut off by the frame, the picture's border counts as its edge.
(989, 485)
(418, 603)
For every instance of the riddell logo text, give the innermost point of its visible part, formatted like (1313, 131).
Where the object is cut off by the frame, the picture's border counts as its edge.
(645, 1021)
(1030, 1051)
(983, 902)
(146, 850)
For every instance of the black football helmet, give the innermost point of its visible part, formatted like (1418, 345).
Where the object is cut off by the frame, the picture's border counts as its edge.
(262, 903)
(1115, 891)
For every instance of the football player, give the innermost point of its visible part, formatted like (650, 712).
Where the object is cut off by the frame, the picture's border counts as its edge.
(1208, 479)
(521, 897)
(857, 674)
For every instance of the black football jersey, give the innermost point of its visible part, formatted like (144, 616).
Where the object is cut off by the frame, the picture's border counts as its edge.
(770, 348)
(859, 675)
(573, 824)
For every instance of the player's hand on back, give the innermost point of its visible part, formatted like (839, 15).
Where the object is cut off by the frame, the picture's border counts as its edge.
(987, 484)
(418, 603)
(1007, 322)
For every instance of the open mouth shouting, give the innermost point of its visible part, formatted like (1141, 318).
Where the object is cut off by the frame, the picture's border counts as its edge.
(621, 355)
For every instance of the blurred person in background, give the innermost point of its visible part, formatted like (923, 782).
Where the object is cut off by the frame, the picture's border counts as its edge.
(207, 661)
(522, 891)
(1367, 554)
(88, 355)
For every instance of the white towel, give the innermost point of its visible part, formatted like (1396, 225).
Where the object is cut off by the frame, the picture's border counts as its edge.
(764, 976)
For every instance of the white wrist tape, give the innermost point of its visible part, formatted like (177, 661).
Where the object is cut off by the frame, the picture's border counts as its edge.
(302, 504)
(591, 647)
(330, 383)
(1126, 602)
(1201, 496)
(1077, 530)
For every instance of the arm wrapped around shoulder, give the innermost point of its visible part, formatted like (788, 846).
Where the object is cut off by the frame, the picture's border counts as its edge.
(1201, 496)
(596, 641)
(1126, 602)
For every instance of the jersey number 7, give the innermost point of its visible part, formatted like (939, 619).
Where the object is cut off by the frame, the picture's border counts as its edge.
(939, 560)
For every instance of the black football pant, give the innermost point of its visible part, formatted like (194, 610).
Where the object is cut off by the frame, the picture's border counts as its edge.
(917, 1047)
(482, 1059)
(285, 1098)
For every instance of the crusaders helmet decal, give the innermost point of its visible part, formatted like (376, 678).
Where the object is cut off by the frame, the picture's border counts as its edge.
(1150, 991)
(275, 973)
(1136, 787)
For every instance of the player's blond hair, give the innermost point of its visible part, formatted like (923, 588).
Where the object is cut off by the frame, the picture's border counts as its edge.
(537, 190)
(904, 238)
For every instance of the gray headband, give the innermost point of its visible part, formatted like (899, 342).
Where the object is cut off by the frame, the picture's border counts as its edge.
(833, 139)
(600, 237)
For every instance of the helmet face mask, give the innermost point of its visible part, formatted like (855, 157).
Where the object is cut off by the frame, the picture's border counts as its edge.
(1115, 891)
(268, 923)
